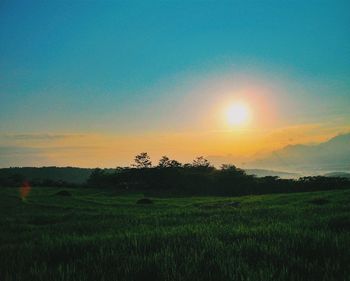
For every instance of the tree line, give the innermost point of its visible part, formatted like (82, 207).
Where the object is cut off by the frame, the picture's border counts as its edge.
(199, 177)
(168, 177)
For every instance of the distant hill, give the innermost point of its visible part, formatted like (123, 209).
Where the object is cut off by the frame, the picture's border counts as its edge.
(338, 174)
(264, 173)
(327, 156)
(67, 174)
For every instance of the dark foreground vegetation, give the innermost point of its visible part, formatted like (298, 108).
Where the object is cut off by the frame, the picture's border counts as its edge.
(188, 181)
(44, 176)
(169, 177)
(97, 234)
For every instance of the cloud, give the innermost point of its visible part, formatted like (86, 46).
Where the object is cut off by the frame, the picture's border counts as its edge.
(45, 149)
(38, 139)
(11, 156)
(6, 151)
(33, 136)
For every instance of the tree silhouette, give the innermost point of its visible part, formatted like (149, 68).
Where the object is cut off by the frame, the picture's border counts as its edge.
(200, 162)
(142, 160)
(232, 169)
(165, 162)
(228, 167)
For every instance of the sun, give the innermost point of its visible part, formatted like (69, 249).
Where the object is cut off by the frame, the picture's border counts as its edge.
(238, 114)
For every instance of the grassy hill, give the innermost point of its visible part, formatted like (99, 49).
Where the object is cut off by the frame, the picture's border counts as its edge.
(102, 235)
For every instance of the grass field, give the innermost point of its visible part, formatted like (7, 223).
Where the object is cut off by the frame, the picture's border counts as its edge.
(100, 235)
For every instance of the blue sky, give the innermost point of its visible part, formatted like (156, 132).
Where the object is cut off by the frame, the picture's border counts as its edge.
(122, 67)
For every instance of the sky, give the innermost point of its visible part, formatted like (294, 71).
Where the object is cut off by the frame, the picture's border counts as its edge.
(93, 83)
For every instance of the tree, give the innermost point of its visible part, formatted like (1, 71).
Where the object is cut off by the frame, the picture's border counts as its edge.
(200, 162)
(174, 164)
(232, 169)
(142, 160)
(97, 177)
(228, 167)
(165, 162)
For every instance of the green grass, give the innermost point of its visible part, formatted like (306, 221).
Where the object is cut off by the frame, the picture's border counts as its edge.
(100, 235)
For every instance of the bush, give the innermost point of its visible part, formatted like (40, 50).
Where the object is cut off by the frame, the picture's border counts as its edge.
(144, 201)
(63, 193)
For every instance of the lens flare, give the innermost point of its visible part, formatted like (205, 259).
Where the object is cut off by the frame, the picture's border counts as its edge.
(24, 190)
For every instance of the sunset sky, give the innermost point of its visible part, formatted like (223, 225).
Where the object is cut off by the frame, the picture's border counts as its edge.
(92, 83)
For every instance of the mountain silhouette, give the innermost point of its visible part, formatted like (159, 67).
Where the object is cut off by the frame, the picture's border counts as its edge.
(332, 155)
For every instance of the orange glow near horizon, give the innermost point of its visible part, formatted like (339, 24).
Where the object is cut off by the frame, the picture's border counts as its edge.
(217, 118)
(111, 150)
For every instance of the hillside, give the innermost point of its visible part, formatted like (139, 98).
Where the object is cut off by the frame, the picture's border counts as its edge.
(264, 173)
(338, 174)
(327, 156)
(67, 174)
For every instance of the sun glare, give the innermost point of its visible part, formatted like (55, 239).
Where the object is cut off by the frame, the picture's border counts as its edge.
(238, 114)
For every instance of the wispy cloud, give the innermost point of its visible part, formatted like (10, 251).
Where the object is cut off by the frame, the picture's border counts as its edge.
(11, 156)
(39, 137)
(33, 136)
(8, 151)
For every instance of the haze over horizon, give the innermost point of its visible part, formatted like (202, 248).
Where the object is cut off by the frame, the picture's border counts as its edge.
(94, 83)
